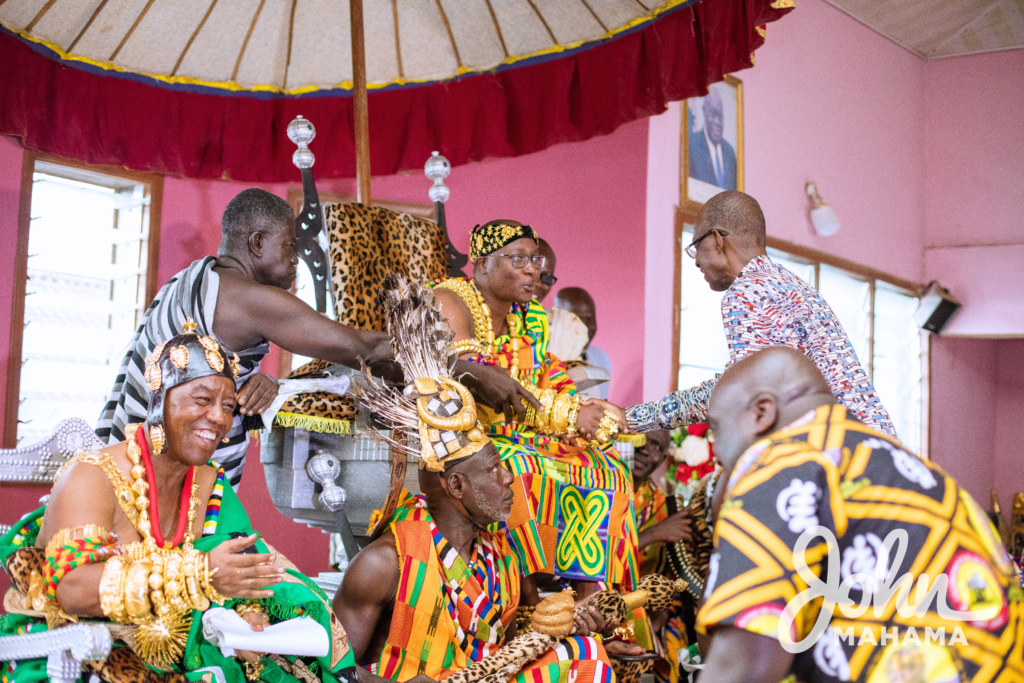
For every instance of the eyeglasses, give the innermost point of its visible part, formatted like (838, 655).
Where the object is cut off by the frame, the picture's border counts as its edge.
(548, 279)
(691, 250)
(519, 260)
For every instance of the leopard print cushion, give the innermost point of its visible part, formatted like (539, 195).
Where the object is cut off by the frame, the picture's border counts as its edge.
(22, 563)
(122, 665)
(319, 403)
(369, 243)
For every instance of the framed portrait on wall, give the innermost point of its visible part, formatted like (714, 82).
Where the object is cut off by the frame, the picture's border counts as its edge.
(712, 144)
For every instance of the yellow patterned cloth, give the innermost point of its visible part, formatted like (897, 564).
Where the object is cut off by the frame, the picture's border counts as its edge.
(572, 513)
(832, 476)
(449, 614)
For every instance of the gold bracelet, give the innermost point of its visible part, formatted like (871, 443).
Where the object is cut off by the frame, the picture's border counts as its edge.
(208, 588)
(607, 428)
(574, 414)
(243, 608)
(136, 590)
(193, 573)
(467, 346)
(112, 589)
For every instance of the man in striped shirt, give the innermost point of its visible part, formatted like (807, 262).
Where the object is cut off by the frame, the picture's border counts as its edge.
(764, 305)
(241, 297)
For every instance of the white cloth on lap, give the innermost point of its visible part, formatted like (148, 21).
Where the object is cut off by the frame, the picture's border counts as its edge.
(301, 636)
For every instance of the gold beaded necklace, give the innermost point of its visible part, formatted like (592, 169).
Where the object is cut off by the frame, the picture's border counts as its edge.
(141, 488)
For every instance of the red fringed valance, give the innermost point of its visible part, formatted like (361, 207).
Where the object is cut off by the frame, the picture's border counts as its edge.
(130, 121)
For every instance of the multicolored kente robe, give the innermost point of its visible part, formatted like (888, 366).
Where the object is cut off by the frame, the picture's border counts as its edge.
(448, 614)
(876, 516)
(573, 510)
(652, 507)
(225, 519)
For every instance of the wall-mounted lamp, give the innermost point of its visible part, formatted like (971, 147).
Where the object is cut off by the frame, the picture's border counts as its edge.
(823, 216)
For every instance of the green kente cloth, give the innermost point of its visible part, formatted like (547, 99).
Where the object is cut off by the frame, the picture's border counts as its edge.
(296, 596)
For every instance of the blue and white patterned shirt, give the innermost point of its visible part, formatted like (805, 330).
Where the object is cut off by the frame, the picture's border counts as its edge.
(768, 305)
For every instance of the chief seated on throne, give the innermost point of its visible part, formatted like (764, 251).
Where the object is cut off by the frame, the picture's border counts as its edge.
(573, 509)
(147, 538)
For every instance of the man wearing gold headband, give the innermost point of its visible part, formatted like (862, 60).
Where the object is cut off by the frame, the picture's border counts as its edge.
(573, 510)
(145, 537)
(438, 590)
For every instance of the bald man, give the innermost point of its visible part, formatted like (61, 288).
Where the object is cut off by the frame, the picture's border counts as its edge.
(764, 305)
(803, 470)
(578, 301)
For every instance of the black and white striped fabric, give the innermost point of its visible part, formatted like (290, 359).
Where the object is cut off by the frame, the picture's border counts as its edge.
(192, 293)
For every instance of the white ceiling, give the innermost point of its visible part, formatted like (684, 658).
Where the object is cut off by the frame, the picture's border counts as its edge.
(933, 29)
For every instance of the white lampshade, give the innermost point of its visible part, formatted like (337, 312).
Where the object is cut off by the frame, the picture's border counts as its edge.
(823, 216)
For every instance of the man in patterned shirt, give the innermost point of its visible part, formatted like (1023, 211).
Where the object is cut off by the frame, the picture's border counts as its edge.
(764, 305)
(808, 483)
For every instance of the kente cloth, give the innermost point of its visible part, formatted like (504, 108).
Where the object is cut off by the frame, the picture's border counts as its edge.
(202, 660)
(192, 293)
(651, 505)
(572, 514)
(833, 476)
(766, 306)
(449, 614)
(651, 508)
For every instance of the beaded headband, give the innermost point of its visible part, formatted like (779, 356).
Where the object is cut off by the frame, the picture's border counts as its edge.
(178, 360)
(487, 239)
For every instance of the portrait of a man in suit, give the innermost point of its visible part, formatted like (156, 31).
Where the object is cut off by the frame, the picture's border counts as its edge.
(712, 158)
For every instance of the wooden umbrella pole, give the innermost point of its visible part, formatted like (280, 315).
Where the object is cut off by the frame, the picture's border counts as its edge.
(359, 103)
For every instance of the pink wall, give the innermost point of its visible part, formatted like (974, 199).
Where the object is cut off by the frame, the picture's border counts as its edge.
(974, 158)
(586, 199)
(10, 194)
(978, 416)
(831, 101)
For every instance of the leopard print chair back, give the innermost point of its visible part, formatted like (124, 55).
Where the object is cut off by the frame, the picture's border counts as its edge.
(369, 243)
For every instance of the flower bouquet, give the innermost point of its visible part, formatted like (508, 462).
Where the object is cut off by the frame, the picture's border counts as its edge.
(692, 459)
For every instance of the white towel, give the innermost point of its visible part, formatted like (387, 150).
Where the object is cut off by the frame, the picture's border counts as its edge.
(301, 636)
(290, 387)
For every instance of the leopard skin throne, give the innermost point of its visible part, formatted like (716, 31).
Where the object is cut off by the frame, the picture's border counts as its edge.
(322, 466)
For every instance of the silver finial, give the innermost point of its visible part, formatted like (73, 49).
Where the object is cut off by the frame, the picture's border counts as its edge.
(437, 169)
(323, 468)
(301, 131)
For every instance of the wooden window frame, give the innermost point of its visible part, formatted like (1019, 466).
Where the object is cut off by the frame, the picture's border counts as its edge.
(817, 258)
(154, 190)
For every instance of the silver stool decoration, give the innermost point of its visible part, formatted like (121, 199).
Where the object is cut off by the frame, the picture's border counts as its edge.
(64, 648)
(37, 463)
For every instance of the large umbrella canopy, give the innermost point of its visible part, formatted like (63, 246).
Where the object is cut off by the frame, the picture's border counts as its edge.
(205, 88)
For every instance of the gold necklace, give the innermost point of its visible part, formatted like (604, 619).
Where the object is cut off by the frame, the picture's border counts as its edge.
(141, 489)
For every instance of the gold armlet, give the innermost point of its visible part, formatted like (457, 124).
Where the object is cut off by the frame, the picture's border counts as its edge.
(607, 428)
(467, 346)
(72, 534)
(243, 608)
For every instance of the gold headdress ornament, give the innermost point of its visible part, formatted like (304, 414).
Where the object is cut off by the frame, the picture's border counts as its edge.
(487, 239)
(436, 410)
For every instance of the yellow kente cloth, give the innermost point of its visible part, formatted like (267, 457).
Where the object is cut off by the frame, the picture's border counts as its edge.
(448, 614)
(851, 486)
(573, 509)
